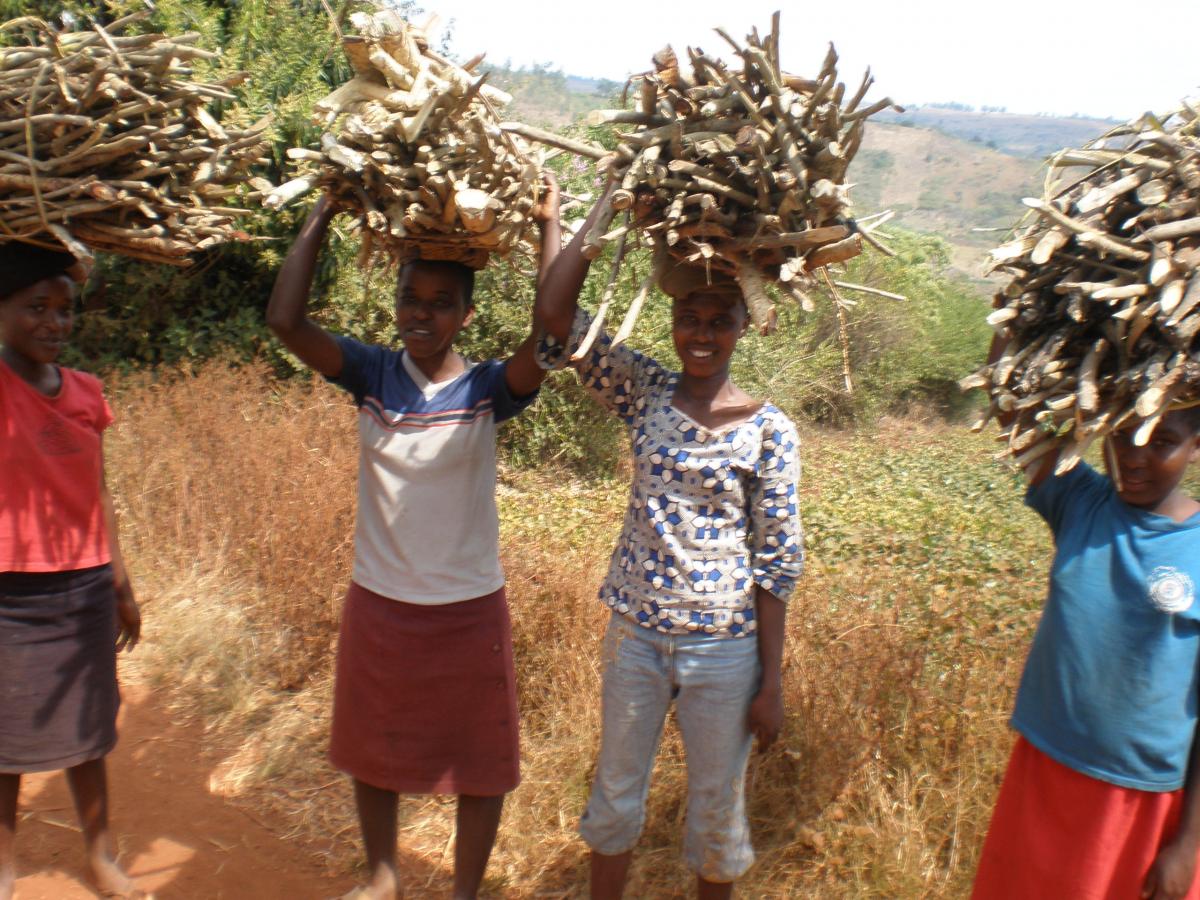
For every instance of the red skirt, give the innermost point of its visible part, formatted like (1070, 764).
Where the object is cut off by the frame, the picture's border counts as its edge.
(1057, 833)
(425, 697)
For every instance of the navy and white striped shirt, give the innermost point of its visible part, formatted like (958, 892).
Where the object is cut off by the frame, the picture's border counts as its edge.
(427, 530)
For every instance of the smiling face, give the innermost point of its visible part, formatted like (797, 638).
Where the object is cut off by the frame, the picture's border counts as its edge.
(432, 306)
(36, 321)
(706, 328)
(1150, 475)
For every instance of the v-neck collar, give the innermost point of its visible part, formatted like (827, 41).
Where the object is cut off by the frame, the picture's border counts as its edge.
(430, 389)
(720, 431)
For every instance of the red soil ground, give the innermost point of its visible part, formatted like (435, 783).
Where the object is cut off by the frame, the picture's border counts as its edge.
(176, 839)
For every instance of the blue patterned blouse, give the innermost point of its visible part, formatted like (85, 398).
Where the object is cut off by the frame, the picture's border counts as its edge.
(712, 512)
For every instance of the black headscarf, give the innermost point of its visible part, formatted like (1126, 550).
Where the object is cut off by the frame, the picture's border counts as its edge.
(22, 265)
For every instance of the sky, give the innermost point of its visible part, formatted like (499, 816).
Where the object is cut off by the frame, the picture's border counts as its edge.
(1102, 58)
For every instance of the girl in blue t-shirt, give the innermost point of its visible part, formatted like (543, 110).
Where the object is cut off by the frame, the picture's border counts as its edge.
(1100, 797)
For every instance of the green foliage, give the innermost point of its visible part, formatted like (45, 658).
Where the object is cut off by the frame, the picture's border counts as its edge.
(137, 314)
(914, 351)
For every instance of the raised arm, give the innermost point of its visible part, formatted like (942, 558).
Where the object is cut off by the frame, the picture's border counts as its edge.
(522, 374)
(287, 311)
(546, 214)
(558, 289)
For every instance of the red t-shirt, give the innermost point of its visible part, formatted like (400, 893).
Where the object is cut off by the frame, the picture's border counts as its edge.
(51, 518)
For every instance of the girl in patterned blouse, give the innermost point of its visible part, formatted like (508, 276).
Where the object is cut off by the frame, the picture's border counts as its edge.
(709, 555)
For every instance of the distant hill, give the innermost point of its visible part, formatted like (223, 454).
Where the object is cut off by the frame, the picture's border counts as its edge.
(549, 98)
(941, 184)
(1018, 135)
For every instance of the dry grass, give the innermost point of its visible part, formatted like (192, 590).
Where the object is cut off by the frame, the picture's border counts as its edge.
(236, 497)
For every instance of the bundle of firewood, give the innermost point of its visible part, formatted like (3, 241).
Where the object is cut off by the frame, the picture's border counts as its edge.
(1101, 317)
(106, 143)
(417, 151)
(741, 169)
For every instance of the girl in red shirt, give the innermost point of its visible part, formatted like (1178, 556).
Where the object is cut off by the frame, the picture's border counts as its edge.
(66, 606)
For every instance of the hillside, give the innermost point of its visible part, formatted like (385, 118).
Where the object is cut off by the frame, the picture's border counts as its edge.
(1018, 135)
(549, 98)
(943, 185)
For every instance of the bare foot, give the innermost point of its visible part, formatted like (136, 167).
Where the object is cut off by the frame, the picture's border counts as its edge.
(381, 887)
(111, 879)
(8, 880)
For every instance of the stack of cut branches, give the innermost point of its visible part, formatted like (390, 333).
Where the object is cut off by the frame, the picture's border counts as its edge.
(105, 143)
(741, 169)
(418, 152)
(1101, 317)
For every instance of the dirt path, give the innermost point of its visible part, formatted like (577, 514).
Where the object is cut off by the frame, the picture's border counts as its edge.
(175, 838)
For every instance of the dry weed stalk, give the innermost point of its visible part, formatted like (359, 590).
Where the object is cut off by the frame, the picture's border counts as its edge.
(1102, 313)
(106, 143)
(418, 153)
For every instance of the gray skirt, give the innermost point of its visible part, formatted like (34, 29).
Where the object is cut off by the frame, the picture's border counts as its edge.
(58, 669)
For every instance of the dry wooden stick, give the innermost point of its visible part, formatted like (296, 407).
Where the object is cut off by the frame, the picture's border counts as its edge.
(1102, 311)
(418, 151)
(739, 168)
(106, 143)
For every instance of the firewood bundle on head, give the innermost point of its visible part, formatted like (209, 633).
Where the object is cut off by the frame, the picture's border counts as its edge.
(739, 169)
(417, 151)
(1101, 317)
(106, 143)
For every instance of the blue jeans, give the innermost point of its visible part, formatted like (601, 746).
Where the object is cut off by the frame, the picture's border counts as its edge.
(713, 681)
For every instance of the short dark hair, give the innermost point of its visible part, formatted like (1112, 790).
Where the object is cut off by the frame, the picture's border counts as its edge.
(23, 265)
(464, 274)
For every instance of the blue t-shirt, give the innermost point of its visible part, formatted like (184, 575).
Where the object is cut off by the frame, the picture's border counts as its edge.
(1110, 686)
(426, 530)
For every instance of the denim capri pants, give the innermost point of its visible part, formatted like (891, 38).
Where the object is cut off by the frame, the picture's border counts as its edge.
(713, 681)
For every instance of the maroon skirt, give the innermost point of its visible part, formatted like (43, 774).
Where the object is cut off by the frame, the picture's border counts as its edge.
(425, 697)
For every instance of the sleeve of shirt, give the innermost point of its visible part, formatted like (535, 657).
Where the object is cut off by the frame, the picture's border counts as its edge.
(100, 411)
(618, 377)
(776, 537)
(104, 413)
(106, 417)
(504, 404)
(1055, 497)
(360, 367)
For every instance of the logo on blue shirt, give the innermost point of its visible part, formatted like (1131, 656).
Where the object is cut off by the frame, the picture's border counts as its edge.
(1171, 591)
